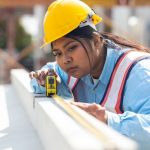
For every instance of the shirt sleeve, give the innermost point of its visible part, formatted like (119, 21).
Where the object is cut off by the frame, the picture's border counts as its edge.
(62, 87)
(135, 121)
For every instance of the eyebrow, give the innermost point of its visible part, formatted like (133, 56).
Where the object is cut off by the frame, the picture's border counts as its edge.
(68, 43)
(64, 45)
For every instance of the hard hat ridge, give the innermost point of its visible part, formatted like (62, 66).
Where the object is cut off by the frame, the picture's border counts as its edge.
(88, 21)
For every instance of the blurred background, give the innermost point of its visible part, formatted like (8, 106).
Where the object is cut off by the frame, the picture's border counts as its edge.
(21, 29)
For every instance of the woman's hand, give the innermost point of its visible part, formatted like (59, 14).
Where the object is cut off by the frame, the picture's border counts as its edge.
(40, 76)
(95, 110)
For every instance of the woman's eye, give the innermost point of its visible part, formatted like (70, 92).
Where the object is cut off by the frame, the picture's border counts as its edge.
(56, 53)
(72, 48)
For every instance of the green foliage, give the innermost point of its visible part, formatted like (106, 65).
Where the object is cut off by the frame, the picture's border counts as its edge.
(3, 34)
(22, 38)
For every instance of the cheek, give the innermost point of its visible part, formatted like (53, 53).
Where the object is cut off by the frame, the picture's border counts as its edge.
(83, 62)
(80, 57)
(59, 62)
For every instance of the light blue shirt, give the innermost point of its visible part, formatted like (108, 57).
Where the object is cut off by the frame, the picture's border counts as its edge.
(135, 121)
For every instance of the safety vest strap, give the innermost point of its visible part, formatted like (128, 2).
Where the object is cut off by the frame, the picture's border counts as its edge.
(72, 82)
(113, 95)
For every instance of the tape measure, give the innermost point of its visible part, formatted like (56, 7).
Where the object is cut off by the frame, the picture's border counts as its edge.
(51, 85)
(107, 142)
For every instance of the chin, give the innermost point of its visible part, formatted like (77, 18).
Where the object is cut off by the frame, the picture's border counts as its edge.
(76, 75)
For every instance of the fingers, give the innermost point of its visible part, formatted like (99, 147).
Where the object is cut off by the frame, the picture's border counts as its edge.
(33, 74)
(86, 106)
(95, 110)
(55, 73)
(101, 114)
(83, 106)
(40, 75)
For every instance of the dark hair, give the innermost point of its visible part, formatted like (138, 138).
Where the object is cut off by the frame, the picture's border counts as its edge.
(124, 42)
(84, 32)
(87, 32)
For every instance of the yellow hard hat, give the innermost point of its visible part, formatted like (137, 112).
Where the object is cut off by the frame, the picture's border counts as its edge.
(63, 16)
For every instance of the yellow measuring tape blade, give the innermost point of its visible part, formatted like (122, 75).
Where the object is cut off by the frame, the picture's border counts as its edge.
(107, 142)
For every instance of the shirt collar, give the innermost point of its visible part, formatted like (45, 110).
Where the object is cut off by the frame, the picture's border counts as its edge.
(110, 61)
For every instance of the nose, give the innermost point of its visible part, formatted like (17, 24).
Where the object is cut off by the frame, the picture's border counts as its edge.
(66, 59)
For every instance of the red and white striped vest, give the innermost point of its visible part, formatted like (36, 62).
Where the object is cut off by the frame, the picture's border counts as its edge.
(113, 97)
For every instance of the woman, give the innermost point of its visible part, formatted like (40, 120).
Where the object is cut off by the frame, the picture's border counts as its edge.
(108, 76)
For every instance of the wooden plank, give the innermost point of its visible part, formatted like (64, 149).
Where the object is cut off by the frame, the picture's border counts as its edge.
(142, 2)
(23, 3)
(103, 3)
(111, 3)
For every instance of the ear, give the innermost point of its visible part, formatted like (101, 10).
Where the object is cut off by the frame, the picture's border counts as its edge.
(97, 40)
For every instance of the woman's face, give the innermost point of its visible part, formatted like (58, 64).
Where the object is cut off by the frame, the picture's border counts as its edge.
(71, 56)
